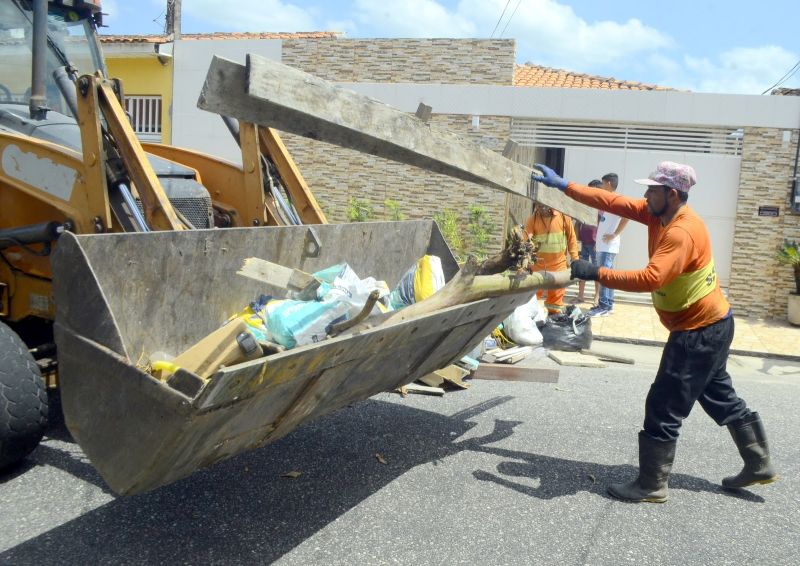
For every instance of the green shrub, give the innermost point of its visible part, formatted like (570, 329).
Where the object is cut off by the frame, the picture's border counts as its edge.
(789, 254)
(393, 210)
(480, 231)
(359, 210)
(450, 226)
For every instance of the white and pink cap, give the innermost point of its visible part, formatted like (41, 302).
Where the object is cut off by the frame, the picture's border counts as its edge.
(673, 175)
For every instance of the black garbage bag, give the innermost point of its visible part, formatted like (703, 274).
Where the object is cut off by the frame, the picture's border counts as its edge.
(567, 332)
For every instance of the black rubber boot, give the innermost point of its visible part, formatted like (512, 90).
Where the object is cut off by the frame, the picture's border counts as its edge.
(751, 440)
(655, 464)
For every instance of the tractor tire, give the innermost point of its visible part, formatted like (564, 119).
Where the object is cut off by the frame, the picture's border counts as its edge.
(23, 400)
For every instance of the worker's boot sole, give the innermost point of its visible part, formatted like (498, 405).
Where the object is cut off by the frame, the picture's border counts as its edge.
(751, 483)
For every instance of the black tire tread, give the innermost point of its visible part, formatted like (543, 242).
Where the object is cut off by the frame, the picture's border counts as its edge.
(23, 400)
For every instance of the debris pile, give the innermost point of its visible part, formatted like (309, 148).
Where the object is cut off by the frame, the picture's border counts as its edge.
(312, 307)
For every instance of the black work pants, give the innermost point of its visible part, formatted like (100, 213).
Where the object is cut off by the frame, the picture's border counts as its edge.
(693, 368)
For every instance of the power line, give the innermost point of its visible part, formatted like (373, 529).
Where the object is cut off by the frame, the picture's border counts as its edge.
(785, 77)
(510, 18)
(500, 18)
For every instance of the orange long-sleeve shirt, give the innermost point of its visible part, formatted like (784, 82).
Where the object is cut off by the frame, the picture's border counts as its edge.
(682, 248)
(556, 237)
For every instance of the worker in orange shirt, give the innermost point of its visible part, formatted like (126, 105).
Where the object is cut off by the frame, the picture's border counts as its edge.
(686, 295)
(555, 235)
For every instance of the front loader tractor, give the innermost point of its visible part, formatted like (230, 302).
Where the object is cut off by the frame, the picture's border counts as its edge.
(116, 256)
(70, 162)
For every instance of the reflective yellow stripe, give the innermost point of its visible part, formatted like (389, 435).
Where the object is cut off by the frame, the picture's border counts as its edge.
(551, 243)
(686, 289)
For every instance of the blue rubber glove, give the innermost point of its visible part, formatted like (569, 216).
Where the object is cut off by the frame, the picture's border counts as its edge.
(550, 178)
(582, 269)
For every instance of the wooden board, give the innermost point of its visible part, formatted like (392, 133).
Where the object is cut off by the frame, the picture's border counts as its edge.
(451, 374)
(217, 349)
(507, 372)
(422, 389)
(278, 275)
(575, 359)
(269, 93)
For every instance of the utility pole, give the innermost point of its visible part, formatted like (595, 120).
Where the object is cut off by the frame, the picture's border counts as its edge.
(172, 26)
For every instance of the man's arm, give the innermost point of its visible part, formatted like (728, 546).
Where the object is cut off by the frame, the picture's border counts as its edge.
(625, 207)
(635, 209)
(668, 261)
(620, 227)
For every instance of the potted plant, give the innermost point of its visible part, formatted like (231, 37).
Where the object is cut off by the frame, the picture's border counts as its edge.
(789, 254)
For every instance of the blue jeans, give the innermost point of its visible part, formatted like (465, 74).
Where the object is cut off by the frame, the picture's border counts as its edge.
(606, 259)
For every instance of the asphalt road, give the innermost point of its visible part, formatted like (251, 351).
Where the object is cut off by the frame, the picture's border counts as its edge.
(504, 473)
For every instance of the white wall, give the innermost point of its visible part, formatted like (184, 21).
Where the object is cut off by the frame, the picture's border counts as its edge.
(194, 128)
(593, 105)
(713, 198)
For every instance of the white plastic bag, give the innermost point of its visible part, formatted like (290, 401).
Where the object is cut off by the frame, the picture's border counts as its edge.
(340, 283)
(521, 327)
(538, 313)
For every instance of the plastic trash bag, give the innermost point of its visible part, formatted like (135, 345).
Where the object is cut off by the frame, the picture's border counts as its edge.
(255, 316)
(520, 325)
(297, 323)
(421, 281)
(568, 332)
(340, 283)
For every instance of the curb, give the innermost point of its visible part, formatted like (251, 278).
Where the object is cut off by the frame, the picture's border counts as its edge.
(749, 353)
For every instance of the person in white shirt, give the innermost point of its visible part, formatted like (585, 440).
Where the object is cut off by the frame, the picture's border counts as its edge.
(609, 227)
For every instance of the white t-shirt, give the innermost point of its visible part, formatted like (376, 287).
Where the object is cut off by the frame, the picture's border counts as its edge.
(606, 224)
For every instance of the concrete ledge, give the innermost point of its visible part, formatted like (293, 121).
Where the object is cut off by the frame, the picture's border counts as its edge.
(643, 342)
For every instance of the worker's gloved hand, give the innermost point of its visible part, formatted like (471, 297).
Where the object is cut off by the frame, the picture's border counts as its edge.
(549, 178)
(582, 269)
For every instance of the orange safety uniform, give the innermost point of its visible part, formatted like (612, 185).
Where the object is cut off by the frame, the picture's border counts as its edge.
(680, 274)
(556, 237)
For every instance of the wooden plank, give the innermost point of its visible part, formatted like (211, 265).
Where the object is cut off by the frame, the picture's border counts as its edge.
(451, 374)
(575, 359)
(423, 389)
(279, 275)
(217, 349)
(432, 380)
(506, 372)
(514, 352)
(302, 198)
(513, 359)
(269, 93)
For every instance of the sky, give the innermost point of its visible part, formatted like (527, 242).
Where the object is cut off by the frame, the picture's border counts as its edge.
(732, 46)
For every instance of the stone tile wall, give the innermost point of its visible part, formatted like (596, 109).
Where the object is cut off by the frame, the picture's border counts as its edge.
(759, 284)
(336, 174)
(446, 61)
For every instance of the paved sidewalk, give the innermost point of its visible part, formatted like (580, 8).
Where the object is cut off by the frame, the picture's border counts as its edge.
(639, 322)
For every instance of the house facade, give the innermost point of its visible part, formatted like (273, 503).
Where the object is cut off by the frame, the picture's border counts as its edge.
(744, 148)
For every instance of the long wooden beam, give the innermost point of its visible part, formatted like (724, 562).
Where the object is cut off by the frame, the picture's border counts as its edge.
(272, 94)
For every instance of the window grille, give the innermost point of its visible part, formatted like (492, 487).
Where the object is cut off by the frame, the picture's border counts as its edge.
(720, 141)
(145, 114)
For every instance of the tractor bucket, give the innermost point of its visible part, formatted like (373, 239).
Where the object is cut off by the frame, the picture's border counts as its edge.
(122, 297)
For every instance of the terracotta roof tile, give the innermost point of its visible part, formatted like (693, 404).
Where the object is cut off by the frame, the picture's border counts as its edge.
(222, 35)
(538, 76)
